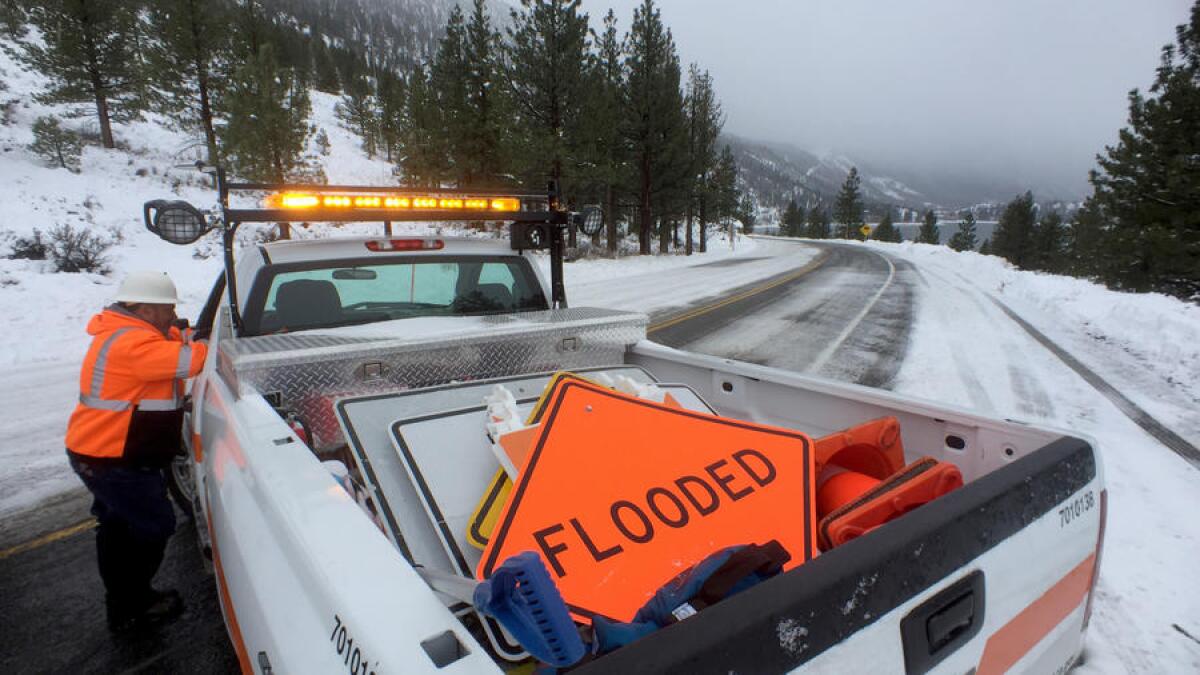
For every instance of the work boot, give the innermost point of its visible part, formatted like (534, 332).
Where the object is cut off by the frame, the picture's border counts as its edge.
(164, 606)
(158, 607)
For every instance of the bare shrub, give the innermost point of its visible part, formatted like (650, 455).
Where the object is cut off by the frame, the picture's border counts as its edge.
(32, 247)
(78, 250)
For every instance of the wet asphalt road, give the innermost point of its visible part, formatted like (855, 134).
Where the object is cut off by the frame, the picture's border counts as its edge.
(52, 614)
(847, 318)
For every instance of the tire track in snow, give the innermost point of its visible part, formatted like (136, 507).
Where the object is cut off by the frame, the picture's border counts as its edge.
(1133, 411)
(948, 307)
(1032, 398)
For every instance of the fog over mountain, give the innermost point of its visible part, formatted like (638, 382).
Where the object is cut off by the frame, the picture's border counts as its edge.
(989, 97)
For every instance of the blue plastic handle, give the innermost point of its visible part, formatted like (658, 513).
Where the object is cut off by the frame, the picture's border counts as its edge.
(522, 597)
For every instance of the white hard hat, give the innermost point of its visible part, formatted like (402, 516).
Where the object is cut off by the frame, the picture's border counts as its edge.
(155, 288)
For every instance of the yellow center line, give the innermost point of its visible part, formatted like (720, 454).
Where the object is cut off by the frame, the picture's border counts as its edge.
(49, 538)
(700, 311)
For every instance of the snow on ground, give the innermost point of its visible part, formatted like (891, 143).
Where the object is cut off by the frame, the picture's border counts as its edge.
(965, 351)
(42, 338)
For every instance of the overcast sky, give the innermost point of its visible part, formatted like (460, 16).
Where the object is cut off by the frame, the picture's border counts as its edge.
(1024, 90)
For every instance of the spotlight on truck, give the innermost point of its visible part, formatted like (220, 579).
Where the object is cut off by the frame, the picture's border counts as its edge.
(175, 221)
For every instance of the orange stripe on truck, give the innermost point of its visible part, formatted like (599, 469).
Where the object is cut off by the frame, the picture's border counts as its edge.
(1006, 646)
(235, 633)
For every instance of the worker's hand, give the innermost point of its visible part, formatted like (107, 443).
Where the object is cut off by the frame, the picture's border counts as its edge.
(181, 323)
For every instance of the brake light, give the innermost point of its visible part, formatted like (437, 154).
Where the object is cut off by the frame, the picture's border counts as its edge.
(384, 245)
(1087, 610)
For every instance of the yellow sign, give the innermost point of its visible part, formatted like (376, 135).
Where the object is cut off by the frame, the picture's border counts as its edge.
(619, 493)
(487, 512)
(865, 230)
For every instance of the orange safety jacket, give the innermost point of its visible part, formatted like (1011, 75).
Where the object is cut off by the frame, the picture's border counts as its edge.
(131, 394)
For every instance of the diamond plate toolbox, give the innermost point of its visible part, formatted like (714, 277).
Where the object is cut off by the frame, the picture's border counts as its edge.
(307, 372)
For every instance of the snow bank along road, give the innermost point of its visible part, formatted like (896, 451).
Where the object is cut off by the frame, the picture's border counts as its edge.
(865, 314)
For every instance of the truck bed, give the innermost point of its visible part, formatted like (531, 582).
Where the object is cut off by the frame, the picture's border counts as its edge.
(871, 605)
(971, 541)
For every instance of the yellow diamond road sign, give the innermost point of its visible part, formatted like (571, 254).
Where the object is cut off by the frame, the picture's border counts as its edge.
(865, 230)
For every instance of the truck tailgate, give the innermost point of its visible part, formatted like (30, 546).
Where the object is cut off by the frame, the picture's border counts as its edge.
(1018, 545)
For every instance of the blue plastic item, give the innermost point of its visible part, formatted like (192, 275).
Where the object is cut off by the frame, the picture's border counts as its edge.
(521, 596)
(726, 572)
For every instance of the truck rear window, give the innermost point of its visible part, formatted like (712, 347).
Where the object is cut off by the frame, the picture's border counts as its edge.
(343, 293)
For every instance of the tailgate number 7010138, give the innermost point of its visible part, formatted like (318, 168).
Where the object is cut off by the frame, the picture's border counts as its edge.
(1076, 507)
(353, 658)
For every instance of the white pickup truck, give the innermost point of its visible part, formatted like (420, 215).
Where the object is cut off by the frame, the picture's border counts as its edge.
(331, 463)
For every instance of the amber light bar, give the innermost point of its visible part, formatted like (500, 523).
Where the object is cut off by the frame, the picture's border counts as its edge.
(308, 200)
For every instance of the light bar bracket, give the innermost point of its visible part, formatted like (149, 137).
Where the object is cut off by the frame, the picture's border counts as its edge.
(549, 213)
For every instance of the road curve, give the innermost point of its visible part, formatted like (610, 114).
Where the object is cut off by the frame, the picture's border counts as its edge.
(847, 318)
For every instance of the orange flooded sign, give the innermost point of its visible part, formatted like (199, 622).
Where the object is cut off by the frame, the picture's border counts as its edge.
(620, 494)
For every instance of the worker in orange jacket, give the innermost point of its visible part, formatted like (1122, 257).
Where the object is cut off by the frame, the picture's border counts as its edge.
(125, 430)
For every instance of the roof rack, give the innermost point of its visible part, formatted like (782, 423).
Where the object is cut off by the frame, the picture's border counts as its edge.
(537, 220)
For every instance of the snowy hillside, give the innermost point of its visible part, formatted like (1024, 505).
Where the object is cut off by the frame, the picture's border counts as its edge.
(780, 169)
(42, 336)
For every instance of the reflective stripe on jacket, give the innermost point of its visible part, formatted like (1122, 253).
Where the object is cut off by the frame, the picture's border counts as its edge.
(131, 391)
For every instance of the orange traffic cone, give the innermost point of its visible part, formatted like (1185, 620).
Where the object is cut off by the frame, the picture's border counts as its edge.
(851, 504)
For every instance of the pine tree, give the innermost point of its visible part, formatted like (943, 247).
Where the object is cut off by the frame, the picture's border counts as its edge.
(13, 15)
(986, 247)
(55, 144)
(1013, 239)
(89, 56)
(1049, 243)
(886, 229)
(747, 213)
(848, 209)
(546, 57)
(964, 238)
(391, 98)
(704, 120)
(268, 120)
(929, 233)
(193, 40)
(546, 62)
(653, 123)
(798, 221)
(426, 158)
(482, 158)
(325, 73)
(1148, 184)
(726, 199)
(321, 141)
(1084, 243)
(446, 115)
(359, 111)
(818, 223)
(789, 225)
(603, 152)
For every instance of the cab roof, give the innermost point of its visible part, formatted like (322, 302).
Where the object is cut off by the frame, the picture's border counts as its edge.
(335, 248)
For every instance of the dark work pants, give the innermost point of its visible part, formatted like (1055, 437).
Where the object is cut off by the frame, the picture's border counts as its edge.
(135, 521)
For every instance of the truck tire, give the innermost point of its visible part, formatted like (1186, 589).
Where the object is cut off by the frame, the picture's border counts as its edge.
(182, 485)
